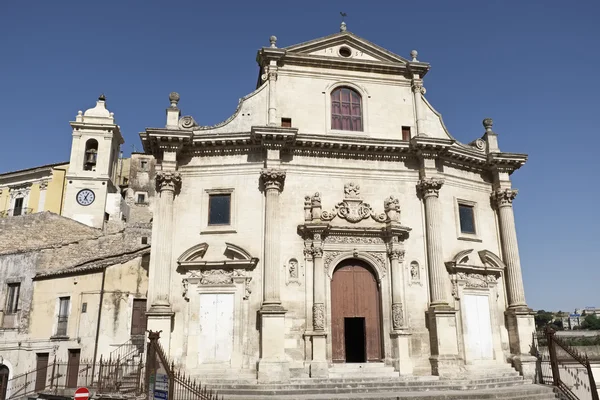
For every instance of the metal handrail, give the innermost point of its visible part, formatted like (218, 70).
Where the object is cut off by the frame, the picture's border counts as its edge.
(556, 365)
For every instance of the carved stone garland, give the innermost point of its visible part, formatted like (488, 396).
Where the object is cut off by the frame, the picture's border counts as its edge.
(476, 280)
(397, 316)
(217, 277)
(319, 316)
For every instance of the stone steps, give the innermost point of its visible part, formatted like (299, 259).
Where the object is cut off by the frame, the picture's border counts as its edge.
(523, 392)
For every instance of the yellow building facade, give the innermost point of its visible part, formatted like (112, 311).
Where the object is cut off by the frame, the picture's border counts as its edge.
(33, 190)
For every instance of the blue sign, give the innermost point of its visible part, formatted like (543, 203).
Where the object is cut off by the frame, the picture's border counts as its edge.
(160, 394)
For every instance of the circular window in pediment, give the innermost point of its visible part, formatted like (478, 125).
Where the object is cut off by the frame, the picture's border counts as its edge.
(345, 51)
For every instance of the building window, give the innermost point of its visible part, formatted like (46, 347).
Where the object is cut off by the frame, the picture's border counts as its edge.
(466, 214)
(406, 133)
(84, 308)
(12, 298)
(141, 198)
(346, 110)
(286, 122)
(63, 316)
(18, 210)
(91, 154)
(219, 209)
(143, 164)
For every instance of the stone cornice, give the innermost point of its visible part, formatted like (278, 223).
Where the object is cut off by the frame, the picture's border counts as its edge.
(156, 140)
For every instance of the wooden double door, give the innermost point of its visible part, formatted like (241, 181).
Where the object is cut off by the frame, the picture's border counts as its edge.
(355, 314)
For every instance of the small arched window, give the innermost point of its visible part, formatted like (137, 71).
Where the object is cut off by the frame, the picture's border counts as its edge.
(91, 154)
(346, 110)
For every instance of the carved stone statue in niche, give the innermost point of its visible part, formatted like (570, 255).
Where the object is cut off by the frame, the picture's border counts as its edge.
(293, 271)
(293, 268)
(415, 272)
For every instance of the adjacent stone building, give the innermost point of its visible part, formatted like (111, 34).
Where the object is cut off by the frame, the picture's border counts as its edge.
(334, 219)
(33, 190)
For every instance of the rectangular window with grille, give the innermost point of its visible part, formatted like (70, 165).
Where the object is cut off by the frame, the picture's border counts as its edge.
(63, 316)
(219, 209)
(467, 218)
(12, 298)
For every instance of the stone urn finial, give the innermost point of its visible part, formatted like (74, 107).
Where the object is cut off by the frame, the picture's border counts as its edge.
(273, 41)
(174, 99)
(487, 124)
(413, 55)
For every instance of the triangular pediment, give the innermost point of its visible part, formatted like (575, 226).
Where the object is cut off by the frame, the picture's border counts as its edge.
(345, 45)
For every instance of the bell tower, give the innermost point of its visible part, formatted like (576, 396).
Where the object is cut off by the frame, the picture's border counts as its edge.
(92, 189)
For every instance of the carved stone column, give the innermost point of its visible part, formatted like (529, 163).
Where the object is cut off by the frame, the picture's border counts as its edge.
(272, 366)
(400, 335)
(396, 260)
(160, 312)
(519, 318)
(273, 180)
(442, 317)
(429, 189)
(167, 182)
(510, 248)
(418, 91)
(318, 366)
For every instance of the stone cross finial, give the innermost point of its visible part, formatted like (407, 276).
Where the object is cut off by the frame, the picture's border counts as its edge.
(413, 55)
(487, 124)
(273, 41)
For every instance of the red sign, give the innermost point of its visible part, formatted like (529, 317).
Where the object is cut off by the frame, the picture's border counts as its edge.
(82, 394)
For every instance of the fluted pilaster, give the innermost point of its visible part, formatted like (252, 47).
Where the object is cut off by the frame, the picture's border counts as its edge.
(272, 180)
(168, 183)
(510, 247)
(429, 189)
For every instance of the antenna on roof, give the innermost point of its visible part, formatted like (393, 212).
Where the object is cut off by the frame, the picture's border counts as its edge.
(343, 25)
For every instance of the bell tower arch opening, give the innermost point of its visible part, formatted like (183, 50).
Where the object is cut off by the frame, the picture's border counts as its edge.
(355, 313)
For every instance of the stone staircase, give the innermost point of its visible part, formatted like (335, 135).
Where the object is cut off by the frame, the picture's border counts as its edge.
(375, 381)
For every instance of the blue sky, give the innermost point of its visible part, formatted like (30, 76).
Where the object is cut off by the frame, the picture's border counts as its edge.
(530, 65)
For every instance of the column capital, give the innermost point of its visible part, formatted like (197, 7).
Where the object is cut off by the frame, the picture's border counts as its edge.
(272, 179)
(504, 197)
(417, 86)
(396, 254)
(430, 187)
(316, 250)
(168, 180)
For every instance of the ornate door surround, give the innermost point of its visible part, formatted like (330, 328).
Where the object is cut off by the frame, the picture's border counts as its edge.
(479, 276)
(352, 229)
(231, 275)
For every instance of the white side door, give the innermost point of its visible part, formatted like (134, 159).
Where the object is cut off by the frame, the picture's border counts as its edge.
(478, 327)
(216, 327)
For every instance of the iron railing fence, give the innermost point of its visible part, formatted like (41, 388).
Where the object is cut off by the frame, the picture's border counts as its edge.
(177, 386)
(564, 367)
(61, 377)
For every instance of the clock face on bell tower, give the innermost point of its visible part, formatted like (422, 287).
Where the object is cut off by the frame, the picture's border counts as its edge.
(85, 197)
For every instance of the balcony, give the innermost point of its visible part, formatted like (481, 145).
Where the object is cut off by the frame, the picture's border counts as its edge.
(15, 212)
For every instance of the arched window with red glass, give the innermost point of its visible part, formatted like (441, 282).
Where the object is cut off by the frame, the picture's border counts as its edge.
(346, 110)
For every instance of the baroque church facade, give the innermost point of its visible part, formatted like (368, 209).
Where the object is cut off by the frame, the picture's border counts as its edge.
(333, 219)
